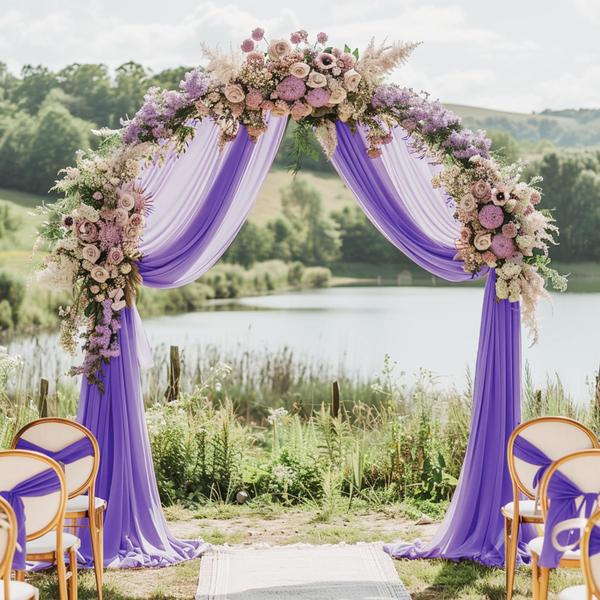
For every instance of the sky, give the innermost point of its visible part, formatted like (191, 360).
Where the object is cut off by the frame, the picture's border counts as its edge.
(515, 55)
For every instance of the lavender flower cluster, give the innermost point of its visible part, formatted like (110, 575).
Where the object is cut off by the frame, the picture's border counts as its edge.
(160, 107)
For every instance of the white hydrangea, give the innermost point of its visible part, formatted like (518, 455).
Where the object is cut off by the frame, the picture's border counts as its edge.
(509, 270)
(502, 289)
(85, 211)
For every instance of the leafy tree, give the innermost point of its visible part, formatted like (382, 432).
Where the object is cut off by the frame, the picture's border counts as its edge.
(320, 238)
(33, 87)
(131, 85)
(252, 244)
(58, 135)
(504, 145)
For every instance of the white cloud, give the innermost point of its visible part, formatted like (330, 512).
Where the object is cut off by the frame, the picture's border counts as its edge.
(588, 9)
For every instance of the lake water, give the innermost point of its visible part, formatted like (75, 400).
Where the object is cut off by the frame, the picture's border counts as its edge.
(353, 328)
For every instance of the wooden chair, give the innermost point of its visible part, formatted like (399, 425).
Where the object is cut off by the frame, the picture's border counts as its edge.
(52, 435)
(583, 469)
(11, 590)
(44, 516)
(555, 437)
(590, 565)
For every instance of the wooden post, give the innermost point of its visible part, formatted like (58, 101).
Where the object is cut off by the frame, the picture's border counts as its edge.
(43, 399)
(597, 393)
(172, 392)
(335, 400)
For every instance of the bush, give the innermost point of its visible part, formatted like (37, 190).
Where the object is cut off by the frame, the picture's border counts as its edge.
(316, 277)
(6, 316)
(12, 290)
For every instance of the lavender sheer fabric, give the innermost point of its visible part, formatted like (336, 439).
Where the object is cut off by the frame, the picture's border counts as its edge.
(200, 202)
(394, 194)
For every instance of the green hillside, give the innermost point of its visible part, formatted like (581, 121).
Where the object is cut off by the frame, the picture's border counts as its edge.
(566, 129)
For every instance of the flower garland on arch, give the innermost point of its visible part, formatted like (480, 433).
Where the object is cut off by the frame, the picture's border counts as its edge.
(94, 231)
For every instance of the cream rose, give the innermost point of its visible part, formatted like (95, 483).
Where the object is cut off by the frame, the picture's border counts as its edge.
(299, 70)
(125, 268)
(91, 253)
(483, 241)
(131, 233)
(99, 274)
(351, 80)
(126, 201)
(234, 93)
(281, 109)
(278, 49)
(468, 203)
(338, 95)
(316, 80)
(121, 217)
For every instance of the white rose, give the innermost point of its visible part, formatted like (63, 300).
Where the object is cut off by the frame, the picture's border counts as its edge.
(351, 80)
(278, 49)
(234, 93)
(483, 241)
(468, 203)
(338, 95)
(299, 70)
(316, 80)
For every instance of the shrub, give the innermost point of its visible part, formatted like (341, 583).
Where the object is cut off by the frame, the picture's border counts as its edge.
(316, 277)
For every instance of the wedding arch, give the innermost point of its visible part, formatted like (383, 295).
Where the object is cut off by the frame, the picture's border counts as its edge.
(161, 199)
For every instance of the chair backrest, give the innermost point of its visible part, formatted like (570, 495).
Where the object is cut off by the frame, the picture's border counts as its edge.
(54, 434)
(42, 513)
(555, 437)
(590, 561)
(8, 539)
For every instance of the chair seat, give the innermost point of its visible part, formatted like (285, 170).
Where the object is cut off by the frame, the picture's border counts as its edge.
(535, 547)
(47, 543)
(82, 503)
(526, 509)
(575, 592)
(19, 590)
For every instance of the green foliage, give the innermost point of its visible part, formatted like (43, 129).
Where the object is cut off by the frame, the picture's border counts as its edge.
(504, 146)
(12, 292)
(316, 277)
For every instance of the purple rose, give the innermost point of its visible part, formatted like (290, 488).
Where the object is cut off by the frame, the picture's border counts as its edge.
(502, 246)
(491, 216)
(318, 97)
(291, 88)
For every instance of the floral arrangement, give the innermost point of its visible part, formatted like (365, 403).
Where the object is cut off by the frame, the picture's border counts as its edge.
(94, 231)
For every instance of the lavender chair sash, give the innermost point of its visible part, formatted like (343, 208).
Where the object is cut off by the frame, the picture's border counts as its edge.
(567, 502)
(42, 484)
(67, 455)
(527, 452)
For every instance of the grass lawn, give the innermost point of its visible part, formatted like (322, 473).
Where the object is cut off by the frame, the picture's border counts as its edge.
(247, 526)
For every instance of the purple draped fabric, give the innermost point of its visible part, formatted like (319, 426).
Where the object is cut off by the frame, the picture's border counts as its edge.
(467, 532)
(566, 501)
(67, 455)
(191, 225)
(42, 484)
(531, 454)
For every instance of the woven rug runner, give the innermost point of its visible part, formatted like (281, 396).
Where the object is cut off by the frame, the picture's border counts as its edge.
(326, 572)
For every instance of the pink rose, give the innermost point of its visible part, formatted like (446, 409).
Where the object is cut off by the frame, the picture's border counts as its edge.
(126, 201)
(99, 274)
(115, 256)
(94, 289)
(300, 110)
(347, 60)
(536, 197)
(247, 46)
(490, 259)
(107, 214)
(482, 190)
(136, 220)
(510, 230)
(267, 105)
(491, 217)
(131, 233)
(91, 253)
(254, 99)
(465, 234)
(278, 49)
